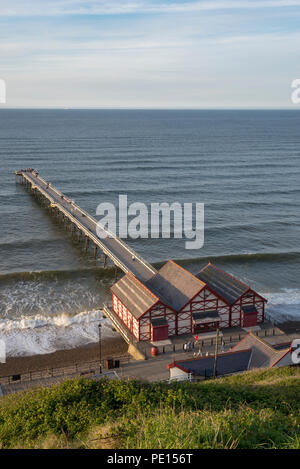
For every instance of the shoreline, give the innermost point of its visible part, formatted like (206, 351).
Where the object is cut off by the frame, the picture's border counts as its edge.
(110, 347)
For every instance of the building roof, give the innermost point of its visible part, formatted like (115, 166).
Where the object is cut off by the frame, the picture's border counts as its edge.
(227, 363)
(174, 285)
(264, 355)
(134, 295)
(226, 286)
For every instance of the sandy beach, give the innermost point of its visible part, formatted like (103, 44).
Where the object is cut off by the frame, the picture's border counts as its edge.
(115, 347)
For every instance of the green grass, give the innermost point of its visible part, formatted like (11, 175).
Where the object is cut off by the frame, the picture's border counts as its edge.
(251, 410)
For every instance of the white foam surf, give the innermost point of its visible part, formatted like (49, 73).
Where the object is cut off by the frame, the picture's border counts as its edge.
(283, 306)
(40, 334)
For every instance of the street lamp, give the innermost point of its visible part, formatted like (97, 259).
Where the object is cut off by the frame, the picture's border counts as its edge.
(216, 353)
(100, 357)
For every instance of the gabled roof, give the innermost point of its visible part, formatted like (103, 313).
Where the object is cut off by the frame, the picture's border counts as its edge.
(223, 284)
(134, 295)
(227, 363)
(174, 285)
(264, 355)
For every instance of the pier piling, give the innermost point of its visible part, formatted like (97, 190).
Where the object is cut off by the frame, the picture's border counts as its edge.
(77, 219)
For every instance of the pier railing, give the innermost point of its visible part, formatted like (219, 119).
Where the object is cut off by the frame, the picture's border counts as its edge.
(123, 256)
(111, 235)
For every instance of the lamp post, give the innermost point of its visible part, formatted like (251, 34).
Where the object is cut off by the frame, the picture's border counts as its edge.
(100, 357)
(216, 353)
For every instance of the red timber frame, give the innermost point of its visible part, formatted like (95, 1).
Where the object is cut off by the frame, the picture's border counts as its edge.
(127, 318)
(141, 328)
(204, 300)
(181, 322)
(250, 297)
(159, 310)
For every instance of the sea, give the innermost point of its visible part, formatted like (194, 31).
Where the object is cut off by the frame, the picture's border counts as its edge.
(243, 165)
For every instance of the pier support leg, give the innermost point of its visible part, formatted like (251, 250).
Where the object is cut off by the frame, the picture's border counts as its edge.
(104, 260)
(95, 251)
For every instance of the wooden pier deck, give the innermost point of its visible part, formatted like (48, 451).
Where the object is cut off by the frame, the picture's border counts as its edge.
(113, 247)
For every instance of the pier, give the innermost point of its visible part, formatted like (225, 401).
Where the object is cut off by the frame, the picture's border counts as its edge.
(86, 226)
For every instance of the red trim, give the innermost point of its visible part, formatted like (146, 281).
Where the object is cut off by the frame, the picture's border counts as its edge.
(191, 299)
(217, 295)
(149, 309)
(223, 271)
(287, 351)
(254, 293)
(235, 279)
(175, 364)
(145, 288)
(249, 333)
(186, 271)
(131, 275)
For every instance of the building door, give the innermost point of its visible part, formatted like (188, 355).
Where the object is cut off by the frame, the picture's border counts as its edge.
(159, 332)
(249, 320)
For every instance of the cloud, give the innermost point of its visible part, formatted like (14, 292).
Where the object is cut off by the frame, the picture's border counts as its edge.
(109, 7)
(236, 58)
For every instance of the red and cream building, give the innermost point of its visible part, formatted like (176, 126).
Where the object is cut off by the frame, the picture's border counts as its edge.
(176, 302)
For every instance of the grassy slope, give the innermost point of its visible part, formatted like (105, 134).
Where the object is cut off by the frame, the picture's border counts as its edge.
(251, 410)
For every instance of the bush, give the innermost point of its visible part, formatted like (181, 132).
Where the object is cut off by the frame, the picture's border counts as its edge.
(253, 409)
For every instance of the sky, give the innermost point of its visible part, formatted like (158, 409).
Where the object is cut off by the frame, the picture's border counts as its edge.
(150, 54)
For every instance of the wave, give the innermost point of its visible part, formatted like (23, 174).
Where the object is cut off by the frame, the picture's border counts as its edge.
(240, 258)
(40, 334)
(99, 272)
(38, 243)
(45, 311)
(284, 305)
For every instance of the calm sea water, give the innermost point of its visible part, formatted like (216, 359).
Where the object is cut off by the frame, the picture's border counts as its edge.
(244, 165)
